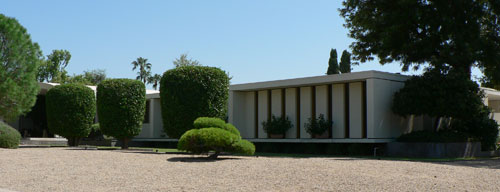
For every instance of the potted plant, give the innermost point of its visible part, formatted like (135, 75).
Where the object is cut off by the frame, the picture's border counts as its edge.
(318, 127)
(276, 127)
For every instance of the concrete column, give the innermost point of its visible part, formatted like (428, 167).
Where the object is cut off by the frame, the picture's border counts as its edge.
(291, 111)
(262, 113)
(355, 110)
(305, 110)
(338, 111)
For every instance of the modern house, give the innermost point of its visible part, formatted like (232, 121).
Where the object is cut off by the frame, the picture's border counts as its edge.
(358, 103)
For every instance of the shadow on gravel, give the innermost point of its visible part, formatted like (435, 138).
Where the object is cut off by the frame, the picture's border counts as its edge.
(198, 159)
(480, 163)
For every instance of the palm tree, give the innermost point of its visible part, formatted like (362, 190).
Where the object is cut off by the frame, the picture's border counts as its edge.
(155, 79)
(144, 69)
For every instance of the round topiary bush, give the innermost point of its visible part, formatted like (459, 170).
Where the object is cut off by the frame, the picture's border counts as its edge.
(212, 134)
(190, 92)
(9, 137)
(121, 104)
(70, 111)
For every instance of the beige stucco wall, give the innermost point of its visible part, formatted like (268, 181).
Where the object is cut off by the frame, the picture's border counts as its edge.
(322, 101)
(262, 113)
(305, 110)
(355, 110)
(338, 111)
(291, 111)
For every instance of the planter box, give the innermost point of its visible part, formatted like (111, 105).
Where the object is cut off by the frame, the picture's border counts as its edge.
(434, 150)
(276, 136)
(322, 136)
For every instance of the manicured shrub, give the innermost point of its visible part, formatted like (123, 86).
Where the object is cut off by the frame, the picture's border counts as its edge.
(212, 134)
(70, 110)
(203, 122)
(189, 92)
(443, 136)
(121, 104)
(9, 137)
(277, 125)
(318, 126)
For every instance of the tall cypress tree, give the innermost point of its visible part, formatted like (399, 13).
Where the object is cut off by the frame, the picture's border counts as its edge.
(333, 66)
(345, 62)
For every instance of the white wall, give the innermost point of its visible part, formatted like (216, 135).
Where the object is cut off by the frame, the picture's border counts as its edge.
(322, 101)
(355, 110)
(262, 113)
(291, 111)
(305, 110)
(338, 111)
(157, 119)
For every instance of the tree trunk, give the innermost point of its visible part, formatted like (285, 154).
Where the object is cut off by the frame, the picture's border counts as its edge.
(73, 141)
(215, 155)
(125, 143)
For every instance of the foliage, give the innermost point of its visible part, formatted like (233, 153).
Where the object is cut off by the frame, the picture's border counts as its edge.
(443, 136)
(144, 72)
(438, 93)
(184, 61)
(480, 126)
(211, 134)
(277, 125)
(9, 137)
(19, 61)
(345, 62)
(333, 66)
(190, 92)
(70, 111)
(53, 69)
(121, 104)
(155, 79)
(459, 34)
(318, 126)
(92, 77)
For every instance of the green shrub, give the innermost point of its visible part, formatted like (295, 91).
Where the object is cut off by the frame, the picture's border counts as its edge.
(318, 126)
(70, 110)
(189, 92)
(479, 126)
(213, 134)
(121, 104)
(277, 125)
(203, 122)
(444, 136)
(9, 137)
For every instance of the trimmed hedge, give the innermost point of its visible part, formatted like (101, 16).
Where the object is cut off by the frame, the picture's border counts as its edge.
(121, 104)
(70, 111)
(444, 136)
(189, 92)
(9, 137)
(212, 134)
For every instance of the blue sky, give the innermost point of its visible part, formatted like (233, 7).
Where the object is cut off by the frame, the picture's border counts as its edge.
(254, 41)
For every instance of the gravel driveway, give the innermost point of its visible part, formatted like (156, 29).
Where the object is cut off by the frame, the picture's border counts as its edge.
(67, 169)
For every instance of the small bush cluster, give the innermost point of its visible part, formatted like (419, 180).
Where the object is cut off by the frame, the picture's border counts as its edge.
(277, 125)
(213, 134)
(9, 137)
(189, 92)
(70, 111)
(121, 104)
(318, 126)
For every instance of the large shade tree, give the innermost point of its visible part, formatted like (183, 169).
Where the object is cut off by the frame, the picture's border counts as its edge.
(459, 34)
(54, 68)
(19, 61)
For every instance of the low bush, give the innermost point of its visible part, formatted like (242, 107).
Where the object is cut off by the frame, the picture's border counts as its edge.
(277, 125)
(444, 136)
(318, 126)
(121, 104)
(190, 92)
(9, 137)
(213, 134)
(70, 111)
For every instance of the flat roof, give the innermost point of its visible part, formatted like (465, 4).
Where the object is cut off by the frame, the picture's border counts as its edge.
(318, 80)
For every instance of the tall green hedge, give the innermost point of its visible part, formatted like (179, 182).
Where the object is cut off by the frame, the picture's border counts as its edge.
(189, 92)
(70, 110)
(9, 137)
(121, 104)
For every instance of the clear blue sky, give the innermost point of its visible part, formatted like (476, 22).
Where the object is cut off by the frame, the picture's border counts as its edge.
(252, 40)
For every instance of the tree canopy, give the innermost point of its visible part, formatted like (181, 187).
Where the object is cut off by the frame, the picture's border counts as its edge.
(53, 69)
(184, 61)
(345, 62)
(459, 34)
(144, 69)
(333, 66)
(19, 61)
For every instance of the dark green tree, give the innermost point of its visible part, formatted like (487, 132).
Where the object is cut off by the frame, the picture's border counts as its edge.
(19, 61)
(144, 69)
(345, 62)
(459, 34)
(333, 66)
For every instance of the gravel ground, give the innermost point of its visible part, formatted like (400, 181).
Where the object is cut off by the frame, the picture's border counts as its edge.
(67, 169)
